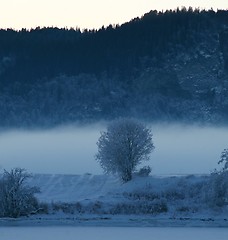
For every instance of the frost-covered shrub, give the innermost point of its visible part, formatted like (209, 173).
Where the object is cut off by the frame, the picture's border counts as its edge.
(159, 206)
(64, 207)
(185, 188)
(79, 208)
(183, 209)
(173, 194)
(148, 196)
(75, 208)
(144, 171)
(217, 189)
(68, 208)
(143, 207)
(195, 191)
(16, 197)
(96, 207)
(43, 208)
(192, 208)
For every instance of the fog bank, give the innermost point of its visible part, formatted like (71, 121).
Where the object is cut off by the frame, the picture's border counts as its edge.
(71, 150)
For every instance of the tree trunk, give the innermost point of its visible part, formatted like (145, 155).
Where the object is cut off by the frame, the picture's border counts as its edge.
(126, 175)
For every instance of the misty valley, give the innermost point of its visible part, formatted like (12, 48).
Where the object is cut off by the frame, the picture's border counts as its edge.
(123, 126)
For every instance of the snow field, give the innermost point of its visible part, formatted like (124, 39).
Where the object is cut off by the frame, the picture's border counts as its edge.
(170, 196)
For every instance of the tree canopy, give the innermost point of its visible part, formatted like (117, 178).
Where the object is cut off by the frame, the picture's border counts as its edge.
(124, 145)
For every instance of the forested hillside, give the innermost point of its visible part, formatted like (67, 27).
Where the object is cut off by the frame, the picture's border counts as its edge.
(170, 66)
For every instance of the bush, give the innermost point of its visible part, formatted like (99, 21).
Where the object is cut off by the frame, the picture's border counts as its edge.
(173, 194)
(144, 171)
(16, 198)
(143, 207)
(143, 196)
(43, 209)
(68, 208)
(217, 189)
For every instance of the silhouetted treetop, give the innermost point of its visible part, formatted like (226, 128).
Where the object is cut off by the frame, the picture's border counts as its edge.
(48, 52)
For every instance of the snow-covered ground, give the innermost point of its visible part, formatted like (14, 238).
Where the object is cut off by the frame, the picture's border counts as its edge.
(102, 200)
(73, 188)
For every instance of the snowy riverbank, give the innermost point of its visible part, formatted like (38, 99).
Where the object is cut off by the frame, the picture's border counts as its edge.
(101, 200)
(114, 221)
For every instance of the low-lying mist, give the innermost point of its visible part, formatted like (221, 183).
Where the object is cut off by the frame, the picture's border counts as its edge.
(71, 150)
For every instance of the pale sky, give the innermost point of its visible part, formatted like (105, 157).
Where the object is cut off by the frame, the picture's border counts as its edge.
(90, 14)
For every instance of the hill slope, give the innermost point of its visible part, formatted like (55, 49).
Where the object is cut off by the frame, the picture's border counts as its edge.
(182, 196)
(170, 66)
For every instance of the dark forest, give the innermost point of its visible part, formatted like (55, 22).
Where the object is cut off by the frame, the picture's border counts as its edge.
(164, 66)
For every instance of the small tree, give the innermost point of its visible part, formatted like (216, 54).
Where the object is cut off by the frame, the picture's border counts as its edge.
(224, 159)
(16, 198)
(124, 145)
(218, 184)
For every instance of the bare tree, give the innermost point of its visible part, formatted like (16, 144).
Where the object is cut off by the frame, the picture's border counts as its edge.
(124, 145)
(16, 197)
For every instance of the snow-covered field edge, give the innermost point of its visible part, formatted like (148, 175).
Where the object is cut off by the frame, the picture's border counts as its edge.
(113, 221)
(101, 200)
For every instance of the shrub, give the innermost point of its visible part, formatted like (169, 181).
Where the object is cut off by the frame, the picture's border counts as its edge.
(217, 189)
(144, 171)
(143, 207)
(16, 197)
(68, 208)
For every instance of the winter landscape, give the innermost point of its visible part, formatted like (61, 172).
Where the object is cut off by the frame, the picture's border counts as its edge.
(114, 130)
(179, 192)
